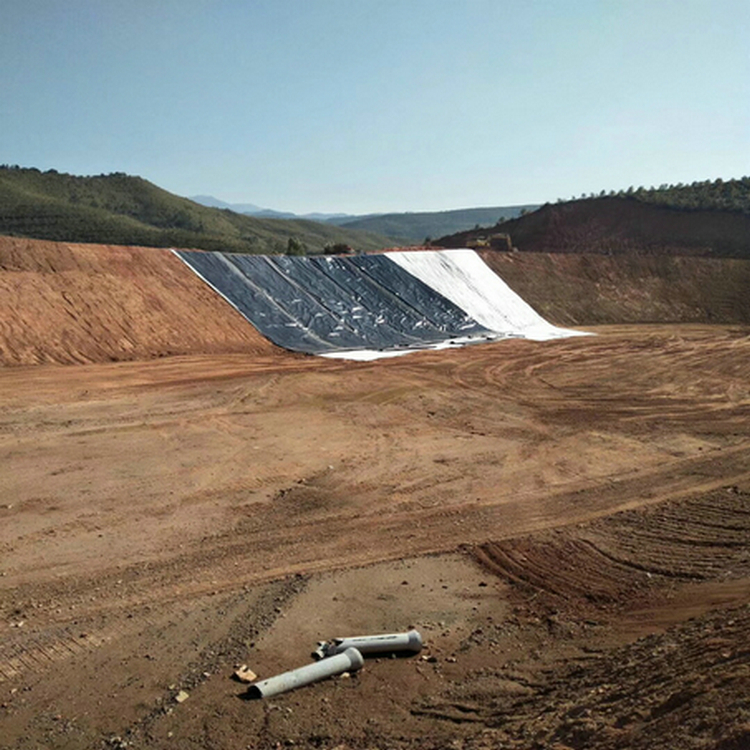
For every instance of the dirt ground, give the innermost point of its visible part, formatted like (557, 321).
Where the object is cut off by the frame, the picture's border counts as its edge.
(567, 523)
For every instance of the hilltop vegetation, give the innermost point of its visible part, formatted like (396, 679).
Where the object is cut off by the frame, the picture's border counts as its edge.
(124, 210)
(723, 195)
(704, 218)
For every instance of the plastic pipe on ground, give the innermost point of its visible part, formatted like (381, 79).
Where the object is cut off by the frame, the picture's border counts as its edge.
(385, 643)
(348, 661)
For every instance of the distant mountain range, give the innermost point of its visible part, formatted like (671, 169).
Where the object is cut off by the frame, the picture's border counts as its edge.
(264, 213)
(426, 225)
(405, 227)
(709, 218)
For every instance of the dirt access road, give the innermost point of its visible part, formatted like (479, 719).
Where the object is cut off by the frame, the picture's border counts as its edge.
(567, 523)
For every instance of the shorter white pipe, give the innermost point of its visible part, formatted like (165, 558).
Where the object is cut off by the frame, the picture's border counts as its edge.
(348, 661)
(385, 643)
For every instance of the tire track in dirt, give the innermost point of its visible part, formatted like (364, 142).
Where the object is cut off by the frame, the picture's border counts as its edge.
(685, 683)
(36, 652)
(272, 535)
(612, 561)
(34, 649)
(332, 539)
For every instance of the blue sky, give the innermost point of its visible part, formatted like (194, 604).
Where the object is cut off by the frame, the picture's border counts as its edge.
(379, 105)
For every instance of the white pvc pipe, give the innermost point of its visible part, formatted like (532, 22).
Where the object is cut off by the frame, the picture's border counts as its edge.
(373, 644)
(348, 661)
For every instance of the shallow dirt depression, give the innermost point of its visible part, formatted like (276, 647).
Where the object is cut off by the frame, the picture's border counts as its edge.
(566, 523)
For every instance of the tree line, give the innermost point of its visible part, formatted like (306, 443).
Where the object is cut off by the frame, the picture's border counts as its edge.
(724, 195)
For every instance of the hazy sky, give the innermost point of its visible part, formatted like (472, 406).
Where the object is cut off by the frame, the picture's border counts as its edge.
(379, 105)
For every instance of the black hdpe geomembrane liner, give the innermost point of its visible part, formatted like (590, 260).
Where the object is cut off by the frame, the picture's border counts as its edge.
(321, 304)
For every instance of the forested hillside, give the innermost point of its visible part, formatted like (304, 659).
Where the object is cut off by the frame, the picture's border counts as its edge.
(725, 195)
(620, 226)
(125, 210)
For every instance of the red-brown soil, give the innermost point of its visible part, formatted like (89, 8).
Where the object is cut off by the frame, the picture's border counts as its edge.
(73, 303)
(168, 519)
(667, 581)
(579, 289)
(622, 225)
(567, 523)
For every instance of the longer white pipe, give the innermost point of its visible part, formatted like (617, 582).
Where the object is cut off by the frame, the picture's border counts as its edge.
(385, 643)
(348, 661)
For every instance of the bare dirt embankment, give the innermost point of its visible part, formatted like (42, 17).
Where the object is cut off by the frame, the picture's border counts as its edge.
(566, 522)
(71, 303)
(589, 289)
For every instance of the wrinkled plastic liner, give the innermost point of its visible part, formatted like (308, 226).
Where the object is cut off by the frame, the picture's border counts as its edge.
(371, 306)
(323, 305)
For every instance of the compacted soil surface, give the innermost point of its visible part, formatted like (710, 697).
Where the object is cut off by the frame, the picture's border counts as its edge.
(566, 523)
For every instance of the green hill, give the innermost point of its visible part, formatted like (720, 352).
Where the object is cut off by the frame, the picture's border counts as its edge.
(418, 226)
(119, 209)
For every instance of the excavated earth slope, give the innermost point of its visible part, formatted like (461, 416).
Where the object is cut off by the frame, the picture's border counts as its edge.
(69, 303)
(73, 303)
(589, 289)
